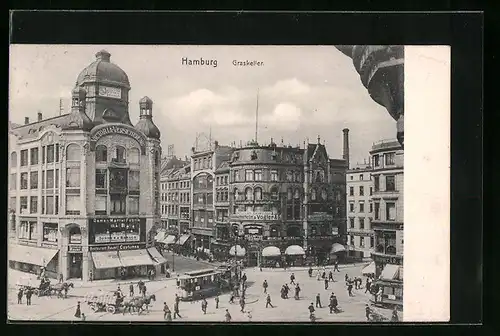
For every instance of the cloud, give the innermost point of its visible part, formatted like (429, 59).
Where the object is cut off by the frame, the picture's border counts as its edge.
(287, 88)
(285, 117)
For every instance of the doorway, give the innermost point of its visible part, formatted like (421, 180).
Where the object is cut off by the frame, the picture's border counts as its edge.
(252, 259)
(75, 265)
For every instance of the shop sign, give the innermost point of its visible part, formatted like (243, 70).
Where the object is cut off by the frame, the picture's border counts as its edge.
(49, 245)
(320, 216)
(74, 248)
(256, 216)
(28, 242)
(117, 129)
(119, 247)
(387, 226)
(387, 259)
(321, 237)
(251, 237)
(335, 230)
(282, 238)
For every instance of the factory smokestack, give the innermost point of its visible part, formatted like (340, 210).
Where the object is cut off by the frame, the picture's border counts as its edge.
(345, 155)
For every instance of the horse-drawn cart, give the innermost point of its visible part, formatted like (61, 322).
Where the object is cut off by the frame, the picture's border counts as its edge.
(103, 302)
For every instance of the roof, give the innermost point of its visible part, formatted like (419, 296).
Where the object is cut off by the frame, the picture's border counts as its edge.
(32, 130)
(223, 167)
(102, 70)
(148, 128)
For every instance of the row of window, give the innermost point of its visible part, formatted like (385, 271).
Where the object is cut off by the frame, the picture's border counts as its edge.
(222, 196)
(361, 223)
(222, 180)
(174, 197)
(361, 177)
(365, 242)
(257, 175)
(121, 155)
(117, 205)
(50, 154)
(361, 191)
(169, 209)
(389, 159)
(361, 207)
(118, 179)
(202, 163)
(390, 211)
(176, 185)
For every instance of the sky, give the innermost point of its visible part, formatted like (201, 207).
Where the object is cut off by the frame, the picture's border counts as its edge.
(303, 92)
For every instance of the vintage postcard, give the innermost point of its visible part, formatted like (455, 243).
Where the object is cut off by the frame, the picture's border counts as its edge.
(214, 184)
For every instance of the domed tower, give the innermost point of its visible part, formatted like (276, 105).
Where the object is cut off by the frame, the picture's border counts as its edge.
(145, 124)
(77, 119)
(107, 88)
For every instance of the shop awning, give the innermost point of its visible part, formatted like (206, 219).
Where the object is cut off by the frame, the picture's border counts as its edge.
(156, 255)
(183, 239)
(31, 255)
(271, 251)
(294, 250)
(369, 269)
(390, 272)
(135, 258)
(168, 239)
(336, 247)
(160, 236)
(108, 259)
(237, 250)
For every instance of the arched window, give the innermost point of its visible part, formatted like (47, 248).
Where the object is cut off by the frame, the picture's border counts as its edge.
(274, 193)
(390, 250)
(119, 154)
(297, 177)
(293, 231)
(13, 160)
(257, 193)
(313, 194)
(248, 194)
(319, 177)
(210, 182)
(133, 155)
(73, 153)
(101, 154)
(236, 194)
(296, 194)
(289, 194)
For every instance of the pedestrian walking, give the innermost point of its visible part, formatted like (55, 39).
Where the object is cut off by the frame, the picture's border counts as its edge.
(242, 304)
(297, 291)
(61, 278)
(144, 290)
(176, 310)
(349, 289)
(119, 291)
(244, 277)
(20, 294)
(326, 283)
(318, 301)
(265, 285)
(204, 305)
(287, 290)
(368, 312)
(330, 276)
(336, 266)
(217, 302)
(333, 304)
(318, 276)
(228, 316)
(368, 285)
(323, 274)
(166, 311)
(65, 292)
(84, 318)
(395, 317)
(78, 312)
(268, 301)
(177, 299)
(311, 312)
(310, 271)
(28, 294)
(346, 277)
(231, 298)
(292, 279)
(91, 276)
(131, 290)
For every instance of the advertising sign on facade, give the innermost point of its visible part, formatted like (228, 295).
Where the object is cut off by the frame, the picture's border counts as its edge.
(28, 242)
(256, 216)
(320, 216)
(117, 230)
(74, 248)
(395, 260)
(119, 247)
(118, 129)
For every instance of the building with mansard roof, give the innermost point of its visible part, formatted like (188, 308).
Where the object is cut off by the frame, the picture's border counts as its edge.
(84, 186)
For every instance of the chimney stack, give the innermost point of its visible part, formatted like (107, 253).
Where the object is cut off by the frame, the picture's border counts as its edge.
(40, 116)
(345, 155)
(26, 120)
(216, 144)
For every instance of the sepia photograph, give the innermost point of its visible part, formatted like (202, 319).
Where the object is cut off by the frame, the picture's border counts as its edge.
(206, 183)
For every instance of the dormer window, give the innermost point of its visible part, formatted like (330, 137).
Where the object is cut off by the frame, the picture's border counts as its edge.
(253, 155)
(274, 155)
(236, 156)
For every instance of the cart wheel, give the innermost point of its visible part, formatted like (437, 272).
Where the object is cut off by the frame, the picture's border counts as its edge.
(94, 307)
(110, 309)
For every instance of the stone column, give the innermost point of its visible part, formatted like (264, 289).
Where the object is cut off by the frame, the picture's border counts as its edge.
(85, 265)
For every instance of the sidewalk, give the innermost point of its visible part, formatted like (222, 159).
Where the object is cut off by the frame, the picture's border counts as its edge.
(306, 268)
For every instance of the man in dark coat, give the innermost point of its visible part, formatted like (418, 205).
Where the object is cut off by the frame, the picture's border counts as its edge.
(20, 294)
(265, 285)
(131, 290)
(268, 301)
(326, 283)
(29, 294)
(318, 301)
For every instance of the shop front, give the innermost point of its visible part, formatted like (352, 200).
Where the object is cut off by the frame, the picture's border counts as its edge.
(271, 257)
(31, 258)
(295, 255)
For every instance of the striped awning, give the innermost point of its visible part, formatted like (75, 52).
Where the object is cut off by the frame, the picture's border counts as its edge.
(271, 251)
(294, 250)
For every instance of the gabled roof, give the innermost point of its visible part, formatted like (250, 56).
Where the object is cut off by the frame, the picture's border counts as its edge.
(32, 130)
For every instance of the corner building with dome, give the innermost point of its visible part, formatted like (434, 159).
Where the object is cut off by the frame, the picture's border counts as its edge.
(84, 186)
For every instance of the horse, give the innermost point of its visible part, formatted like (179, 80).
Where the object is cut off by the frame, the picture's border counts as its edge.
(138, 302)
(63, 287)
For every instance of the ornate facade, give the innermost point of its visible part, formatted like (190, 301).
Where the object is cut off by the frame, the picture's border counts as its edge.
(92, 181)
